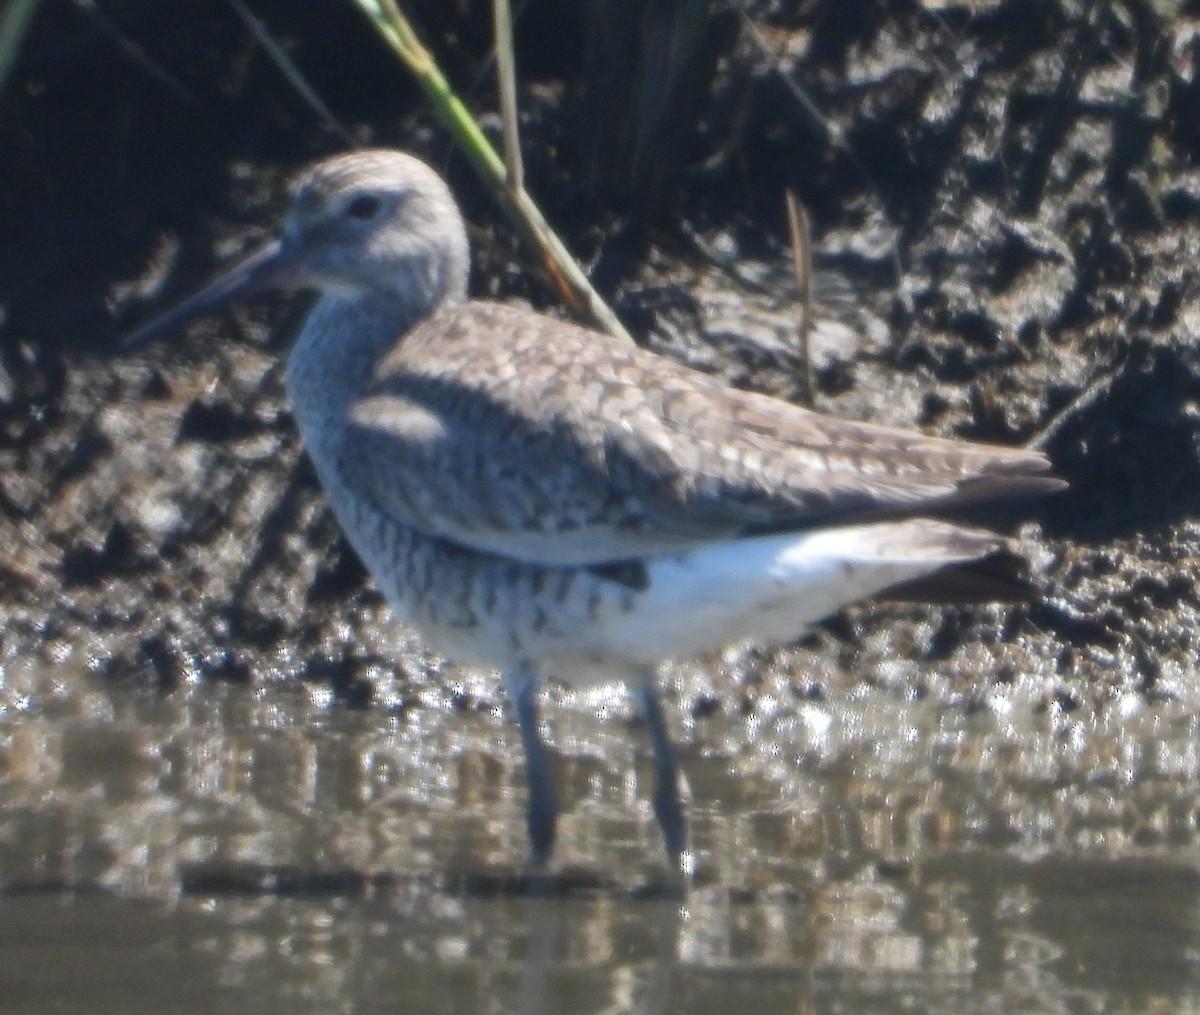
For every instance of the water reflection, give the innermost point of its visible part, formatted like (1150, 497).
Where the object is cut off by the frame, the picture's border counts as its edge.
(873, 855)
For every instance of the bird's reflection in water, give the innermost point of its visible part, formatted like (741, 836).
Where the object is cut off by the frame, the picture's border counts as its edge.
(546, 918)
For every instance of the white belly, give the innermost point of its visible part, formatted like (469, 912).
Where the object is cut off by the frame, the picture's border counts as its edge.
(579, 627)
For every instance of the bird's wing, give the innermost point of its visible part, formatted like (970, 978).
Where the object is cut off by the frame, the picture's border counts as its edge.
(507, 431)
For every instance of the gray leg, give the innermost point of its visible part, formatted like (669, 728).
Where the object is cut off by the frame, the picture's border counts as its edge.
(668, 807)
(542, 812)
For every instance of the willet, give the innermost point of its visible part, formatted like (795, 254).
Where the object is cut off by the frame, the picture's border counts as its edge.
(543, 499)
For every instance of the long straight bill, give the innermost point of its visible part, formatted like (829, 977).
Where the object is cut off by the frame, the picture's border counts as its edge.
(264, 270)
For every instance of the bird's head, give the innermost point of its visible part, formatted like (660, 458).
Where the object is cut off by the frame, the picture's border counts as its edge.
(369, 223)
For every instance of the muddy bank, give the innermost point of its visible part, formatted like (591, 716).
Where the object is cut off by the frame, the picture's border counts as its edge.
(1029, 167)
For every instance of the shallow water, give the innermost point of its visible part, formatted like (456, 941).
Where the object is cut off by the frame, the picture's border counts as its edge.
(225, 848)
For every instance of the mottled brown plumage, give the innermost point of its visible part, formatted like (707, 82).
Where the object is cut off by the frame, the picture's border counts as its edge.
(545, 499)
(500, 428)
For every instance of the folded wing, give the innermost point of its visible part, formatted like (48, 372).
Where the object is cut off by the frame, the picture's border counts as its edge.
(534, 439)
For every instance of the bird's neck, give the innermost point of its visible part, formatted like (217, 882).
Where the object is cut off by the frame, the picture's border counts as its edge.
(331, 362)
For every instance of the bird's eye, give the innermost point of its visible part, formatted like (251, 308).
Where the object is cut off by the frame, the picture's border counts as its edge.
(365, 206)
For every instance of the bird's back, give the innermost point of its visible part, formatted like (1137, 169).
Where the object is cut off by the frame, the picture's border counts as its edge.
(512, 432)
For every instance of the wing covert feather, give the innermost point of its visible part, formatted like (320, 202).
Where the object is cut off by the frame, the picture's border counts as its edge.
(508, 431)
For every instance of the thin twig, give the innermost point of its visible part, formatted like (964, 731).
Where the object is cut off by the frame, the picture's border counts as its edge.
(485, 68)
(569, 279)
(1084, 400)
(802, 261)
(506, 80)
(290, 71)
(103, 24)
(832, 132)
